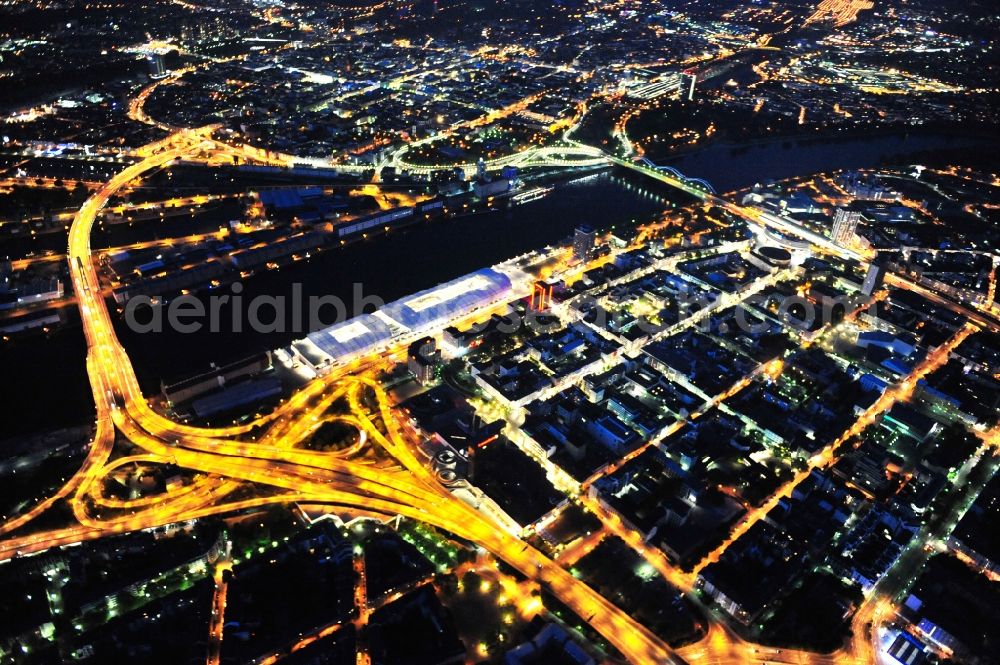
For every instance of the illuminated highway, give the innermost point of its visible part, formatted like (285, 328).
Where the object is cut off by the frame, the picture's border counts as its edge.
(410, 490)
(221, 463)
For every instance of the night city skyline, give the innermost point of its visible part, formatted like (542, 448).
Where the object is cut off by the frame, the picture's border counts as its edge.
(430, 332)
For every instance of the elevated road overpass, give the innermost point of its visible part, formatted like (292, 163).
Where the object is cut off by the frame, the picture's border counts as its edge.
(222, 461)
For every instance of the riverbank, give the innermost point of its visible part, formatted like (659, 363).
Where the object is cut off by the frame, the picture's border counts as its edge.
(399, 263)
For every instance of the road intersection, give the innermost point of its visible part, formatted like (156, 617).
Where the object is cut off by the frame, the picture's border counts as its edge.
(225, 459)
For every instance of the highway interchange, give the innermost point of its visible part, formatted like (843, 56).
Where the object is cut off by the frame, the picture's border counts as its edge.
(224, 460)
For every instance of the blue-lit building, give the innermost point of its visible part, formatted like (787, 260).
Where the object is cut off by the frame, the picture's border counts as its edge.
(343, 342)
(434, 307)
(907, 650)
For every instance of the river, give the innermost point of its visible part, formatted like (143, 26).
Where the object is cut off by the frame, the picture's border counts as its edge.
(730, 166)
(45, 380)
(403, 262)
